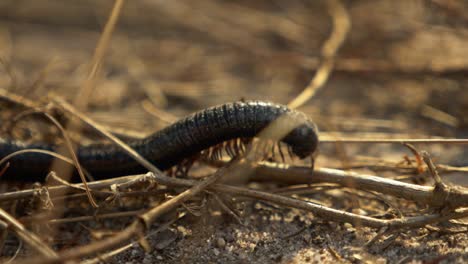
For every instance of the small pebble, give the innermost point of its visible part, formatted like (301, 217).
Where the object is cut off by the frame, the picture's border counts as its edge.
(334, 226)
(184, 231)
(349, 227)
(220, 242)
(242, 256)
(147, 259)
(362, 212)
(230, 237)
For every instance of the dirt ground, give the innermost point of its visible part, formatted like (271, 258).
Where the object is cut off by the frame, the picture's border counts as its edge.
(401, 73)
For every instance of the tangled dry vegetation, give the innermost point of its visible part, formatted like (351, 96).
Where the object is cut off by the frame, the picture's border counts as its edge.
(384, 80)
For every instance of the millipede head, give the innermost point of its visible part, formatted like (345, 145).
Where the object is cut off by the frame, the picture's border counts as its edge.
(303, 140)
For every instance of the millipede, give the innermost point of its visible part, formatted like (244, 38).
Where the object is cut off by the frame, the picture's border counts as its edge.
(208, 132)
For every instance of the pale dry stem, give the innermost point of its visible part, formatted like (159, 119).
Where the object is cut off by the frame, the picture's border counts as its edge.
(341, 25)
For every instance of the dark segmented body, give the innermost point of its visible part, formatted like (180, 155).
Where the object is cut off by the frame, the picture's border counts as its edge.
(170, 145)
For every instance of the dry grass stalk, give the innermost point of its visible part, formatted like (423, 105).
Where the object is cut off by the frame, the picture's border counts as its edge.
(341, 25)
(29, 238)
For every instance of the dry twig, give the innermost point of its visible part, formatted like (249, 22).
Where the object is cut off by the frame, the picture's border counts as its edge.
(341, 25)
(274, 172)
(461, 141)
(140, 225)
(8, 221)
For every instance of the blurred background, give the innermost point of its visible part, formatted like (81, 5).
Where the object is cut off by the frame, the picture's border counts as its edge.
(400, 71)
